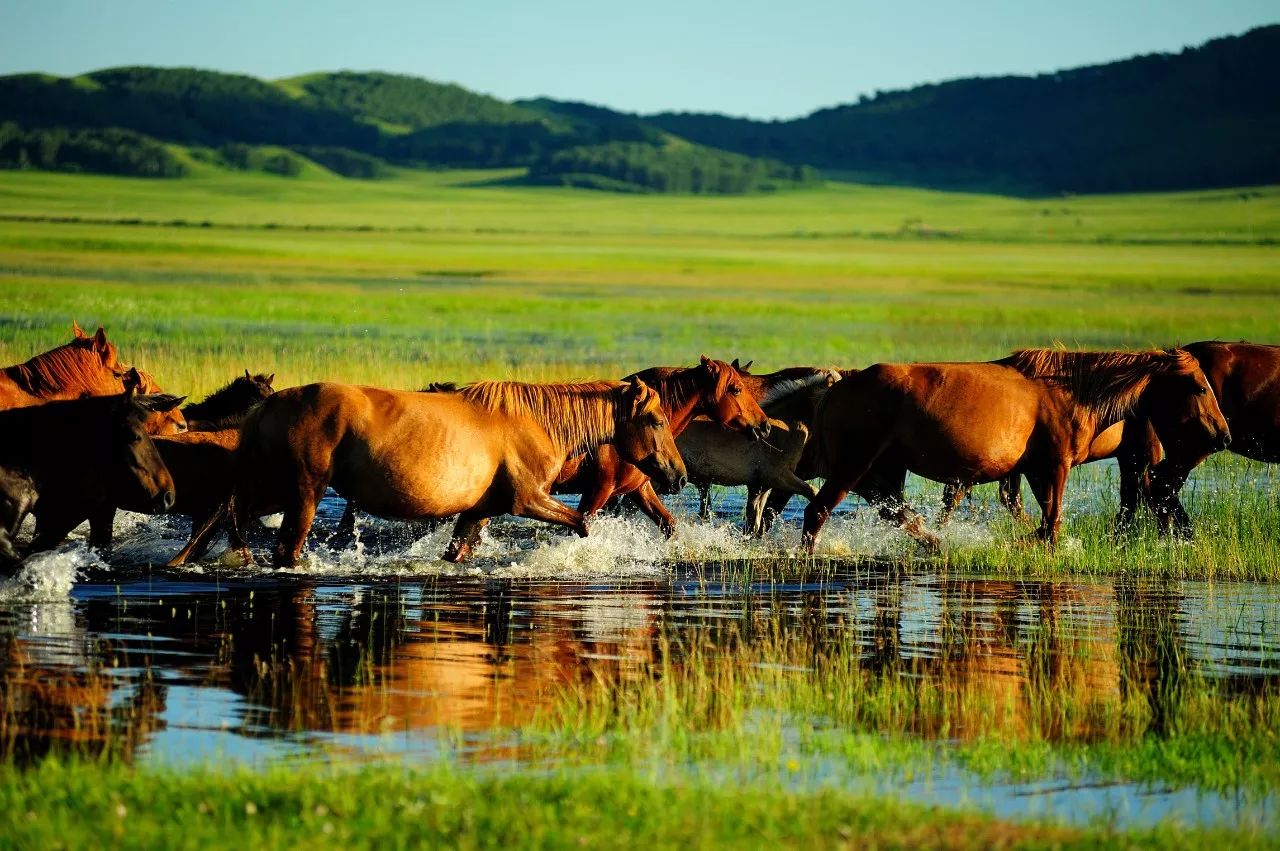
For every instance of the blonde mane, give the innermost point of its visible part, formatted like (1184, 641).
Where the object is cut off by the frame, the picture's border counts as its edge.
(72, 368)
(1107, 384)
(577, 416)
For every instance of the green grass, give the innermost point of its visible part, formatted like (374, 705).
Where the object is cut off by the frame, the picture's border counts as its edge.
(77, 805)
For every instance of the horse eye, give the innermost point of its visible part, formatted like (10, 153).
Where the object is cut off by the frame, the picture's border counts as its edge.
(735, 390)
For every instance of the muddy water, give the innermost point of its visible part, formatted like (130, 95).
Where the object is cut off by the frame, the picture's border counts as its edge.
(378, 650)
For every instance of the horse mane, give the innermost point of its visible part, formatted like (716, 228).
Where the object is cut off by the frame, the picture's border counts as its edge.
(787, 386)
(67, 367)
(577, 416)
(227, 406)
(675, 386)
(1107, 384)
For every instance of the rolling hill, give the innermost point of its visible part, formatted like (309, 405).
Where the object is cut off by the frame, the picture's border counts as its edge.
(1205, 117)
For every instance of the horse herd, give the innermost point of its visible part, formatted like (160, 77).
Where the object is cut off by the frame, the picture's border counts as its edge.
(82, 435)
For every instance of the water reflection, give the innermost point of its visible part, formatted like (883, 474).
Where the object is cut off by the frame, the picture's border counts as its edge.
(351, 663)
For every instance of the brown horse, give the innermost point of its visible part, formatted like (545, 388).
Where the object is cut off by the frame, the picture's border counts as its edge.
(71, 460)
(201, 460)
(160, 423)
(1246, 379)
(86, 366)
(1036, 413)
(488, 449)
(713, 388)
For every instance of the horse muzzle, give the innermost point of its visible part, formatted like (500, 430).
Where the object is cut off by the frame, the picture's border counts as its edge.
(760, 432)
(1224, 440)
(163, 501)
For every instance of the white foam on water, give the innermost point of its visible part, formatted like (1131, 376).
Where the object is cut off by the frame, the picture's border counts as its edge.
(49, 576)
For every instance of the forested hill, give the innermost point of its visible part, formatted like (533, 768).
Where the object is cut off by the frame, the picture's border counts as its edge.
(1208, 116)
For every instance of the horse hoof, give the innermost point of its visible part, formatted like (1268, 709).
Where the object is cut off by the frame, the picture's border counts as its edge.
(456, 553)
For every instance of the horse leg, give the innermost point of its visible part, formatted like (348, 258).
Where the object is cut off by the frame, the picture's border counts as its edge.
(1166, 480)
(885, 488)
(753, 515)
(204, 526)
(1048, 487)
(704, 500)
(101, 528)
(778, 500)
(952, 493)
(466, 537)
(648, 501)
(298, 518)
(345, 534)
(52, 529)
(595, 493)
(540, 505)
(1011, 496)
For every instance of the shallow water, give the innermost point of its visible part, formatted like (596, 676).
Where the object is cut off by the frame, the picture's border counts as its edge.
(381, 651)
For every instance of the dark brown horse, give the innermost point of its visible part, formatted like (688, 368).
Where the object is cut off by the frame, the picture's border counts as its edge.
(201, 460)
(1246, 379)
(225, 408)
(1036, 413)
(71, 460)
(713, 388)
(86, 366)
(488, 449)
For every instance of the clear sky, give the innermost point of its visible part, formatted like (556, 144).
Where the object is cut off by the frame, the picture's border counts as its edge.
(762, 58)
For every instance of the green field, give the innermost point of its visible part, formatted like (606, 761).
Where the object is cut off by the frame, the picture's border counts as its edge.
(456, 276)
(438, 276)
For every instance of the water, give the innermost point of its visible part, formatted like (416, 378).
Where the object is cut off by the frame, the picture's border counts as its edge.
(380, 651)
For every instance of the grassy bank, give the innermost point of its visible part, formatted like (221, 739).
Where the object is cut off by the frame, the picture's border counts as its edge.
(78, 805)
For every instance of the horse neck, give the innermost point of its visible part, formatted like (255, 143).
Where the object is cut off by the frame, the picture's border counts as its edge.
(680, 398)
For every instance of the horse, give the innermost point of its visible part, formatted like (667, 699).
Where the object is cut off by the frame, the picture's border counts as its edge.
(225, 408)
(763, 466)
(201, 459)
(69, 461)
(1246, 379)
(86, 366)
(490, 448)
(160, 423)
(795, 396)
(1035, 412)
(712, 388)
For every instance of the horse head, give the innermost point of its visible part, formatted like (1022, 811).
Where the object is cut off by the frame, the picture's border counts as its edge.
(1182, 406)
(726, 401)
(140, 476)
(644, 439)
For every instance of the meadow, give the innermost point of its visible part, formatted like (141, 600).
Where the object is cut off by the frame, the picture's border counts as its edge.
(458, 276)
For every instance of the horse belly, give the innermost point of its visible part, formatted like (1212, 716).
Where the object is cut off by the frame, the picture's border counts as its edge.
(976, 440)
(431, 473)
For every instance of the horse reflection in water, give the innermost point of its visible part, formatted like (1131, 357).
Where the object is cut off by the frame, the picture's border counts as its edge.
(970, 657)
(56, 696)
(392, 662)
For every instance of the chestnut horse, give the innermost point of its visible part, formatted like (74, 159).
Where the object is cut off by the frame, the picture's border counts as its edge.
(201, 460)
(712, 388)
(1246, 379)
(488, 449)
(1036, 413)
(86, 366)
(70, 460)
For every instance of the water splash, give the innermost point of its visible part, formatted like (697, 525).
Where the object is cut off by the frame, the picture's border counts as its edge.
(49, 576)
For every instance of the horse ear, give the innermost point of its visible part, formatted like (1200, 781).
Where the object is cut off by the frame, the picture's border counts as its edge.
(746, 366)
(132, 381)
(704, 360)
(270, 378)
(247, 376)
(100, 341)
(77, 333)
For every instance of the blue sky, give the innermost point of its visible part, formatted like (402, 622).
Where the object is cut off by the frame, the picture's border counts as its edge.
(762, 58)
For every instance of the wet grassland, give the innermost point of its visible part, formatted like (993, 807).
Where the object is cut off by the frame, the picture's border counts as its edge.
(699, 691)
